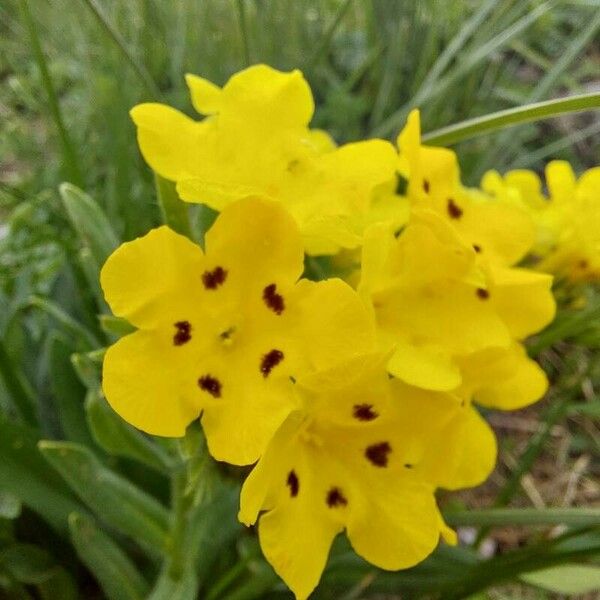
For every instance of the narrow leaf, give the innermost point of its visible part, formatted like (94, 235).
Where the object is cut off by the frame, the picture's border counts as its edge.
(115, 572)
(138, 68)
(566, 579)
(70, 159)
(89, 222)
(119, 438)
(573, 517)
(112, 498)
(68, 392)
(25, 474)
(174, 210)
(512, 116)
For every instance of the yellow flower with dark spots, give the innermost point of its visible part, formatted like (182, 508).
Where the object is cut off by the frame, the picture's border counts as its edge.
(501, 233)
(255, 140)
(435, 303)
(224, 333)
(353, 458)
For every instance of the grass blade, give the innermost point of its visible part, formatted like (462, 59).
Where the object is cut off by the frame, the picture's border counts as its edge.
(139, 69)
(18, 387)
(396, 120)
(573, 517)
(513, 116)
(71, 164)
(321, 49)
(118, 576)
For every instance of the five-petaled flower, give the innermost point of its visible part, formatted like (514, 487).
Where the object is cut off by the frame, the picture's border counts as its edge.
(255, 140)
(223, 332)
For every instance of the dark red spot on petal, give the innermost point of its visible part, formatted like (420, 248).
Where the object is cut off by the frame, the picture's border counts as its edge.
(336, 498)
(378, 454)
(364, 412)
(408, 465)
(293, 483)
(583, 264)
(426, 186)
(482, 293)
(270, 360)
(454, 211)
(183, 333)
(477, 248)
(210, 384)
(273, 300)
(213, 279)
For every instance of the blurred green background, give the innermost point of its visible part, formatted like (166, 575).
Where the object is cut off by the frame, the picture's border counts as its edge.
(70, 70)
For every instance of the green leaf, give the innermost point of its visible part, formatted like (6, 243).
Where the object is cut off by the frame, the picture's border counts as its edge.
(31, 565)
(10, 505)
(113, 499)
(115, 572)
(115, 325)
(89, 222)
(573, 517)
(116, 38)
(80, 334)
(25, 474)
(174, 210)
(88, 370)
(184, 587)
(17, 386)
(119, 438)
(27, 563)
(510, 117)
(68, 392)
(566, 579)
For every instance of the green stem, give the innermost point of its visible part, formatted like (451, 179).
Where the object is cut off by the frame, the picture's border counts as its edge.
(17, 386)
(71, 164)
(181, 502)
(573, 517)
(174, 211)
(139, 69)
(79, 333)
(510, 117)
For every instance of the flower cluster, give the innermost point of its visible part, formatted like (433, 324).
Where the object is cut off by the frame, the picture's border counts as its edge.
(353, 402)
(567, 222)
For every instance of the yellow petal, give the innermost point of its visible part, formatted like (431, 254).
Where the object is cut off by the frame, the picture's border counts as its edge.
(523, 299)
(501, 232)
(397, 527)
(278, 98)
(424, 366)
(206, 96)
(154, 279)
(169, 141)
(336, 317)
(298, 554)
(150, 383)
(560, 180)
(477, 447)
(508, 378)
(259, 242)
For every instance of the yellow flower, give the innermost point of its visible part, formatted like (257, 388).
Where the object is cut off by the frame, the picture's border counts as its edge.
(256, 141)
(502, 233)
(567, 222)
(522, 188)
(502, 378)
(223, 333)
(435, 303)
(351, 458)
